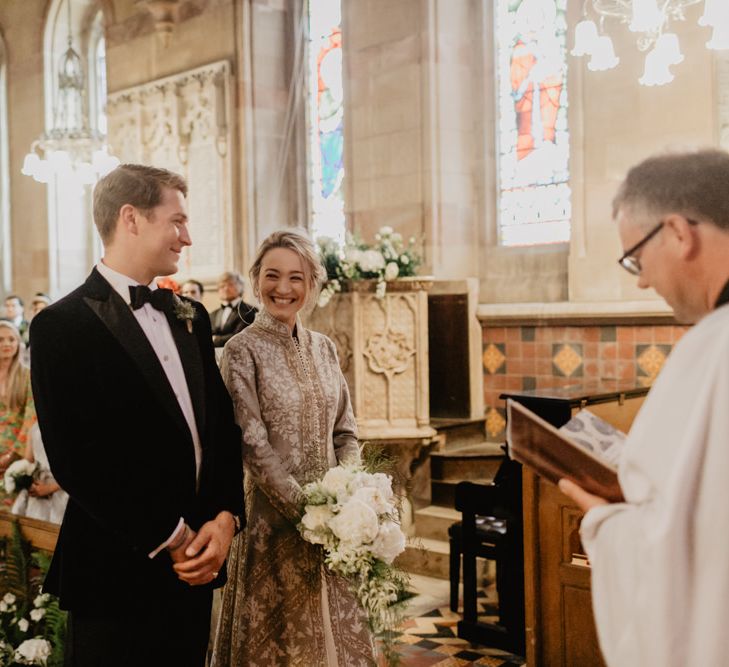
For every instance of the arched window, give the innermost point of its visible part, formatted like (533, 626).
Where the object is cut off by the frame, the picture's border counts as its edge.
(532, 133)
(73, 242)
(6, 267)
(326, 119)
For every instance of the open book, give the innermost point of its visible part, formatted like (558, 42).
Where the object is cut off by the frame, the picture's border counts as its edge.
(585, 450)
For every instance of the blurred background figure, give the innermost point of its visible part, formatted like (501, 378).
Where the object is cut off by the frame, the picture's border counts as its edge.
(45, 500)
(17, 410)
(234, 314)
(193, 289)
(15, 314)
(38, 303)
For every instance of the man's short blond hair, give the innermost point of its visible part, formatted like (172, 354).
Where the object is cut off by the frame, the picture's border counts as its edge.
(139, 185)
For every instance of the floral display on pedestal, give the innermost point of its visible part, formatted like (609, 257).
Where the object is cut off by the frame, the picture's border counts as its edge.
(388, 259)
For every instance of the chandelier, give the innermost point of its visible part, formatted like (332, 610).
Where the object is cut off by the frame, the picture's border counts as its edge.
(71, 149)
(650, 20)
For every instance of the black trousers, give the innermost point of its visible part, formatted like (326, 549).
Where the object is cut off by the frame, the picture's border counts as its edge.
(163, 632)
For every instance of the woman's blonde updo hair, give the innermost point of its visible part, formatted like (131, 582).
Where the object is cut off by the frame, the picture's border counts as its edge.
(18, 374)
(301, 244)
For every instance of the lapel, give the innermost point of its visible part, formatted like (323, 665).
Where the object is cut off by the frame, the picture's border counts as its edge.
(110, 308)
(189, 350)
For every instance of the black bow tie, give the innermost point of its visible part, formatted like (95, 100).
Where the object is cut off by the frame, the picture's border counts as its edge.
(226, 304)
(161, 298)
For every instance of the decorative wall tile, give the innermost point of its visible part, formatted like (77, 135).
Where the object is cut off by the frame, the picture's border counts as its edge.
(495, 422)
(567, 359)
(650, 360)
(494, 358)
(527, 333)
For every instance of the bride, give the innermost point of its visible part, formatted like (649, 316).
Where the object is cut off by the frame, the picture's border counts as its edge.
(280, 606)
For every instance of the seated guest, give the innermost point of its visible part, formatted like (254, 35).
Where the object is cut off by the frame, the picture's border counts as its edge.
(234, 314)
(14, 313)
(45, 500)
(17, 410)
(38, 303)
(193, 289)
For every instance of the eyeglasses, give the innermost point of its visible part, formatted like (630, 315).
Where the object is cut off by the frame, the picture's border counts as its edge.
(630, 262)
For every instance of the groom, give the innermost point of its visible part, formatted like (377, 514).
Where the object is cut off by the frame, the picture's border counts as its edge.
(139, 431)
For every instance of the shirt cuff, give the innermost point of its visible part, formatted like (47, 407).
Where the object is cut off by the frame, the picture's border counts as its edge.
(170, 539)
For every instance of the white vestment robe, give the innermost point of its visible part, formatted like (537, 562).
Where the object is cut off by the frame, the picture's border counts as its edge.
(660, 560)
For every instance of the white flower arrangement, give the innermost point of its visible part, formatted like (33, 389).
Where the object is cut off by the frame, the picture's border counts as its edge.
(19, 475)
(389, 258)
(352, 514)
(22, 640)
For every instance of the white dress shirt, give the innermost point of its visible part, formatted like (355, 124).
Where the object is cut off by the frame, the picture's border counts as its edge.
(156, 328)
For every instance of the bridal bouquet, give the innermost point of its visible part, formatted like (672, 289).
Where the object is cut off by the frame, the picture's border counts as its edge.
(20, 475)
(351, 513)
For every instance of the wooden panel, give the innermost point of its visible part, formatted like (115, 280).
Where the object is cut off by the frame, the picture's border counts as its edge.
(579, 628)
(560, 627)
(41, 534)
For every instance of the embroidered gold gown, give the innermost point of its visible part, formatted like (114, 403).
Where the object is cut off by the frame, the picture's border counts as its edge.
(280, 607)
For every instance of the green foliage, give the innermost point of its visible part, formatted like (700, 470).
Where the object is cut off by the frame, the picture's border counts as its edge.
(22, 572)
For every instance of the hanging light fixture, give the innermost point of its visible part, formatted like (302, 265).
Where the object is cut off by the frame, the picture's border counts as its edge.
(650, 19)
(71, 149)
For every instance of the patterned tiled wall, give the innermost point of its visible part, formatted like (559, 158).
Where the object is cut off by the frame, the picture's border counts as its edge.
(528, 357)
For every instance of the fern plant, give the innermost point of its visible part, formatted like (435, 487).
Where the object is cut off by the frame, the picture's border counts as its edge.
(32, 625)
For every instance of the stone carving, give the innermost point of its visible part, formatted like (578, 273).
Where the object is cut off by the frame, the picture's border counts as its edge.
(389, 353)
(383, 352)
(182, 123)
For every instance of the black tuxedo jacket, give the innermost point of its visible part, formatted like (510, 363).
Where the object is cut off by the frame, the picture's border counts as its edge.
(119, 444)
(225, 329)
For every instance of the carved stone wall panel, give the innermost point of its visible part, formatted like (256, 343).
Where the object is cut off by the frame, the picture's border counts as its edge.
(183, 123)
(383, 351)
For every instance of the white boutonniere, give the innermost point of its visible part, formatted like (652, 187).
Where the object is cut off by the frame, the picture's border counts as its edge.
(185, 311)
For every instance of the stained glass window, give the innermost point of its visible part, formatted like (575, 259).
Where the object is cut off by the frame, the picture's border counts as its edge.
(326, 116)
(533, 137)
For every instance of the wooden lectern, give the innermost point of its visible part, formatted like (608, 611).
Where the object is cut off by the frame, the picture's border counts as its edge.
(560, 630)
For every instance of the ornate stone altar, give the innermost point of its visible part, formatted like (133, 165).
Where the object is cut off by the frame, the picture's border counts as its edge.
(383, 352)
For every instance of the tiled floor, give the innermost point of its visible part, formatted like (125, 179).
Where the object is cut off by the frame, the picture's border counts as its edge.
(429, 634)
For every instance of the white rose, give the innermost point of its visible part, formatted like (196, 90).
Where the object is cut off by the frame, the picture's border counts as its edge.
(317, 517)
(37, 614)
(23, 624)
(352, 255)
(335, 481)
(374, 498)
(33, 651)
(386, 231)
(389, 543)
(356, 523)
(3, 606)
(41, 600)
(372, 260)
(9, 598)
(404, 259)
(391, 271)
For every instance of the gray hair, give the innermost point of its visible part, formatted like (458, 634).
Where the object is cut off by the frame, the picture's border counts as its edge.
(693, 184)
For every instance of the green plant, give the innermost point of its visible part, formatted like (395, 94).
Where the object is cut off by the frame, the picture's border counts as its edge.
(32, 625)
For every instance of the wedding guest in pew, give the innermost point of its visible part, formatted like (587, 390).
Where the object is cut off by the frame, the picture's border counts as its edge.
(139, 430)
(660, 560)
(193, 289)
(234, 314)
(17, 410)
(281, 606)
(15, 313)
(44, 500)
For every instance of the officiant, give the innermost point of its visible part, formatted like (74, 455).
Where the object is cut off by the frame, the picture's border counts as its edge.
(660, 578)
